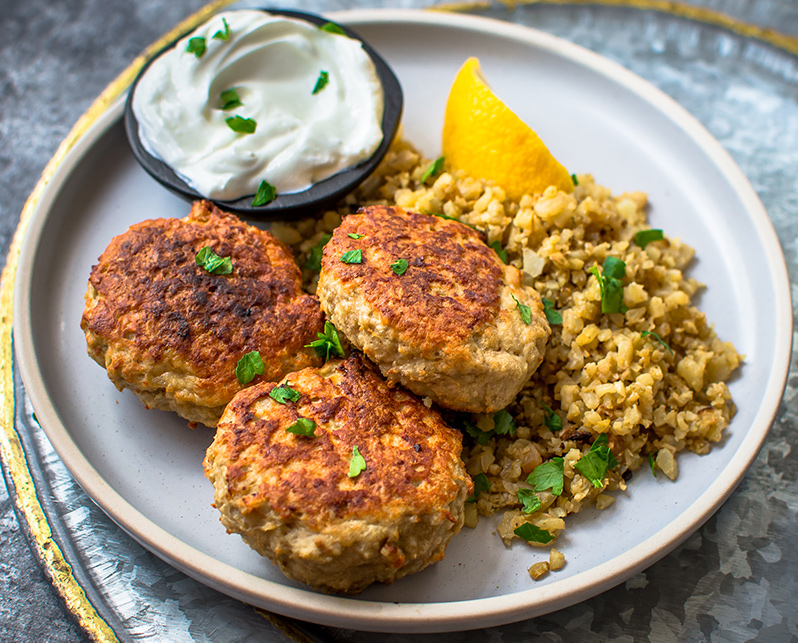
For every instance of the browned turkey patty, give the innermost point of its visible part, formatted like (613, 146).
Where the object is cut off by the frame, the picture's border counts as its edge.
(433, 307)
(173, 333)
(294, 498)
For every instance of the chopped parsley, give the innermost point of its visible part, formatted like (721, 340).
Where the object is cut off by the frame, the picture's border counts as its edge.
(213, 263)
(614, 268)
(266, 194)
(481, 483)
(354, 235)
(497, 247)
(611, 285)
(446, 217)
(435, 167)
(241, 125)
(529, 500)
(503, 423)
(648, 333)
(478, 434)
(314, 258)
(653, 464)
(327, 343)
(352, 256)
(399, 267)
(552, 420)
(230, 99)
(644, 237)
(552, 316)
(533, 534)
(357, 463)
(321, 82)
(548, 475)
(574, 180)
(594, 464)
(223, 35)
(331, 27)
(284, 393)
(248, 367)
(303, 426)
(524, 310)
(196, 46)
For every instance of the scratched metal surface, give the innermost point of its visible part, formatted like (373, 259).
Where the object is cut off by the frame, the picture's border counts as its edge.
(733, 580)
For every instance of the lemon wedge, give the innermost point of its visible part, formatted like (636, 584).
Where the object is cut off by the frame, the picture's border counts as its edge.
(483, 137)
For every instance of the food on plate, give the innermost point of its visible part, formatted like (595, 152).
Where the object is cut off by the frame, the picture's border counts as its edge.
(485, 139)
(252, 103)
(339, 478)
(451, 275)
(632, 374)
(186, 312)
(433, 306)
(619, 392)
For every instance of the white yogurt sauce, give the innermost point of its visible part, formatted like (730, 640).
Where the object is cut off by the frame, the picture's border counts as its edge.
(273, 63)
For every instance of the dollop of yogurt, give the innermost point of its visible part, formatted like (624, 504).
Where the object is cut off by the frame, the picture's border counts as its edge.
(273, 64)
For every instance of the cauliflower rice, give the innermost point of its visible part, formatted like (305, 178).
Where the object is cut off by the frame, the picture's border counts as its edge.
(602, 373)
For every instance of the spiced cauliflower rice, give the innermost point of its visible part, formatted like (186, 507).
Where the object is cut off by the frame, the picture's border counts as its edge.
(635, 387)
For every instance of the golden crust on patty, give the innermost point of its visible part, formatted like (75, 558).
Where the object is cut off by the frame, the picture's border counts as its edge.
(450, 327)
(173, 333)
(451, 284)
(292, 499)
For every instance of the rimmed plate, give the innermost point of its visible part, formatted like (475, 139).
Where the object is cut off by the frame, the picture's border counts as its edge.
(144, 468)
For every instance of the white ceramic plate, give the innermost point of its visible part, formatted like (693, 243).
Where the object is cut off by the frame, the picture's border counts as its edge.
(144, 467)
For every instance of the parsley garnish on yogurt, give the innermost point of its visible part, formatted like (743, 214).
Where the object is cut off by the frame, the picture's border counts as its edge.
(196, 46)
(241, 125)
(223, 35)
(321, 82)
(230, 99)
(331, 27)
(248, 367)
(266, 194)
